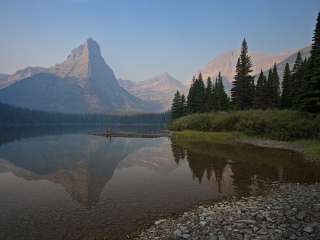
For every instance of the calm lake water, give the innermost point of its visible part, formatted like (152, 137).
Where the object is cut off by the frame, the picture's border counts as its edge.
(66, 184)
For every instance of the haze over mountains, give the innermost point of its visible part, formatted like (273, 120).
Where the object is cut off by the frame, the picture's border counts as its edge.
(226, 63)
(84, 83)
(305, 53)
(159, 89)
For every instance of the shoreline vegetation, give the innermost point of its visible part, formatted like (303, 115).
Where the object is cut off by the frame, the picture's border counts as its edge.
(290, 130)
(259, 106)
(283, 125)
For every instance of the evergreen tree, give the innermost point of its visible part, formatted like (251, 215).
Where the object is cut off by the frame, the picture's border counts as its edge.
(200, 94)
(310, 100)
(243, 84)
(297, 80)
(208, 99)
(196, 96)
(260, 96)
(190, 97)
(275, 88)
(176, 106)
(222, 100)
(183, 105)
(215, 95)
(298, 63)
(287, 89)
(235, 90)
(269, 88)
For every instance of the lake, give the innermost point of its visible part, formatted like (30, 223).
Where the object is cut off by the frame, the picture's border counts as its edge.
(62, 183)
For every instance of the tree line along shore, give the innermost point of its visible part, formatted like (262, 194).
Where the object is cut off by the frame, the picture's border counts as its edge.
(300, 88)
(260, 108)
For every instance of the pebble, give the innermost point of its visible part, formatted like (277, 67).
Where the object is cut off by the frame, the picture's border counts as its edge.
(202, 223)
(301, 215)
(221, 237)
(177, 233)
(246, 221)
(308, 229)
(289, 211)
(186, 236)
(159, 221)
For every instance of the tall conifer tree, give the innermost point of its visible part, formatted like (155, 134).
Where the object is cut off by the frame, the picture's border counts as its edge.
(275, 87)
(190, 97)
(287, 89)
(236, 86)
(175, 108)
(260, 96)
(243, 84)
(222, 100)
(310, 101)
(297, 80)
(196, 96)
(208, 99)
(183, 105)
(269, 89)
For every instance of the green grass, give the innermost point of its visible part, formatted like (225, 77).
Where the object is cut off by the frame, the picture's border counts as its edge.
(311, 147)
(197, 136)
(273, 124)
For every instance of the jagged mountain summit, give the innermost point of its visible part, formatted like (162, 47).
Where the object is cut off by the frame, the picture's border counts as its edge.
(159, 89)
(83, 83)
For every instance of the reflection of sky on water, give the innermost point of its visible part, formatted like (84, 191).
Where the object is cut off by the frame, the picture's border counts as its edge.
(77, 185)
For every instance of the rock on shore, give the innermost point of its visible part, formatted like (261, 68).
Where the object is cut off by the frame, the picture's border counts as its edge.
(287, 212)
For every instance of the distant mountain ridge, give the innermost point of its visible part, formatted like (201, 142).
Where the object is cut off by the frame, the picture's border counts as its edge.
(159, 89)
(226, 62)
(3, 76)
(83, 83)
(305, 53)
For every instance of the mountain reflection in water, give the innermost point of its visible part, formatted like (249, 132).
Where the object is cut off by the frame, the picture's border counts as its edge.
(77, 186)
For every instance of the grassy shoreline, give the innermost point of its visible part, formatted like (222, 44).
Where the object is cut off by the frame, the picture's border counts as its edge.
(281, 125)
(284, 129)
(309, 147)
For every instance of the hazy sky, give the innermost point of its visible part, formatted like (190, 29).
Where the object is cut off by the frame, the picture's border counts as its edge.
(142, 38)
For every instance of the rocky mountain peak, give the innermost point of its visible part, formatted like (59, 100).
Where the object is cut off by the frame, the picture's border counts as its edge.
(164, 79)
(93, 47)
(84, 77)
(82, 62)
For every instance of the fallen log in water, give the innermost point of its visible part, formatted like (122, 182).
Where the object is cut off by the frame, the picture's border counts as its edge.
(133, 134)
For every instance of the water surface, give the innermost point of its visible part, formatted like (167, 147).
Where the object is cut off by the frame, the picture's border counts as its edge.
(66, 184)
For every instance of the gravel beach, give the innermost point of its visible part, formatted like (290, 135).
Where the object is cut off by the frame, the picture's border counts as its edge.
(289, 211)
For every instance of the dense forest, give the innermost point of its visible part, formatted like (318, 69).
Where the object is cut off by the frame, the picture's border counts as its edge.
(300, 88)
(10, 115)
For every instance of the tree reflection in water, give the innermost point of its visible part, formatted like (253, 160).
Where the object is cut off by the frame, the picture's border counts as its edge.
(251, 166)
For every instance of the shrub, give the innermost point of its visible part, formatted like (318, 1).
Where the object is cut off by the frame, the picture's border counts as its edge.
(223, 121)
(274, 124)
